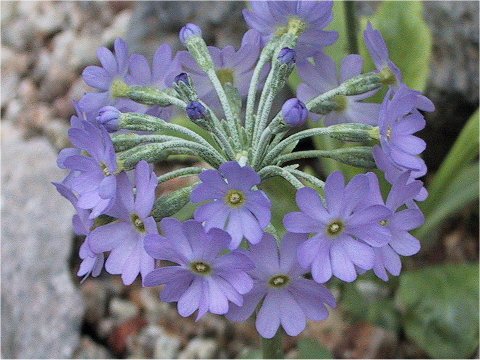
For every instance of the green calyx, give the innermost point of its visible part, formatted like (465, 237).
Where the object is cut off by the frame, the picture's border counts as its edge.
(119, 89)
(225, 76)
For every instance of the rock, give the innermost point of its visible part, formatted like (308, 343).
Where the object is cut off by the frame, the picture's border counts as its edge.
(367, 341)
(153, 342)
(122, 310)
(153, 23)
(199, 348)
(118, 338)
(56, 131)
(41, 308)
(88, 349)
(95, 295)
(35, 117)
(118, 28)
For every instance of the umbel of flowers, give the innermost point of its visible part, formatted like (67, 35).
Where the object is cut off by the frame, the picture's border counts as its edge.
(228, 259)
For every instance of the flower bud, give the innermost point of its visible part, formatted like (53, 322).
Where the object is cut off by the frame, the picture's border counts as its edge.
(189, 31)
(294, 112)
(196, 111)
(109, 117)
(182, 77)
(287, 56)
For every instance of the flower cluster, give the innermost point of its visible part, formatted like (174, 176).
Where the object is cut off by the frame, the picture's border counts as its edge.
(227, 259)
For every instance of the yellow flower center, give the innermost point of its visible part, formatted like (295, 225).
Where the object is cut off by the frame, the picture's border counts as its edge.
(279, 281)
(200, 267)
(138, 223)
(335, 228)
(235, 198)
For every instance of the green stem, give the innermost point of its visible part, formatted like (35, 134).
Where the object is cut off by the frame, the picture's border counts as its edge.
(188, 171)
(351, 25)
(272, 348)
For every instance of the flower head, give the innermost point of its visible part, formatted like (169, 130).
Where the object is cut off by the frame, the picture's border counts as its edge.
(94, 178)
(109, 116)
(287, 56)
(233, 204)
(114, 66)
(205, 278)
(344, 232)
(305, 18)
(189, 31)
(399, 119)
(294, 112)
(400, 222)
(195, 110)
(379, 52)
(124, 237)
(322, 76)
(289, 300)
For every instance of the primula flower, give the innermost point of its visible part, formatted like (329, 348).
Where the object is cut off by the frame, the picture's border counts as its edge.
(114, 66)
(378, 50)
(272, 18)
(92, 263)
(400, 223)
(141, 74)
(399, 119)
(124, 237)
(94, 177)
(288, 298)
(233, 206)
(205, 278)
(344, 233)
(322, 77)
(232, 66)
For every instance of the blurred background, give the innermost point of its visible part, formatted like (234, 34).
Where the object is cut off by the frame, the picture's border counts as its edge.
(431, 310)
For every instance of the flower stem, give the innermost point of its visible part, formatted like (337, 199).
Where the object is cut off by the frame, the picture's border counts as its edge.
(351, 24)
(272, 348)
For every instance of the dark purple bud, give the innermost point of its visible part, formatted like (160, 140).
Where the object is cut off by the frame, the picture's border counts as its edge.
(182, 77)
(188, 31)
(294, 112)
(109, 117)
(287, 56)
(196, 111)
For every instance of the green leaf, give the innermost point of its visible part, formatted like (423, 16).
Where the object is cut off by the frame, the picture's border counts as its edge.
(282, 196)
(461, 192)
(312, 349)
(408, 39)
(462, 152)
(440, 309)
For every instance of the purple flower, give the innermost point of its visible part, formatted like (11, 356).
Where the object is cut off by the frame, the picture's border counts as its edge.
(294, 112)
(233, 206)
(234, 67)
(124, 238)
(189, 31)
(94, 177)
(399, 119)
(271, 18)
(322, 77)
(205, 278)
(182, 77)
(141, 74)
(114, 66)
(344, 233)
(379, 52)
(195, 110)
(288, 298)
(399, 223)
(92, 263)
(287, 56)
(109, 116)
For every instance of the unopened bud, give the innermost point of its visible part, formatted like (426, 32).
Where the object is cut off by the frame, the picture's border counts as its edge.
(294, 112)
